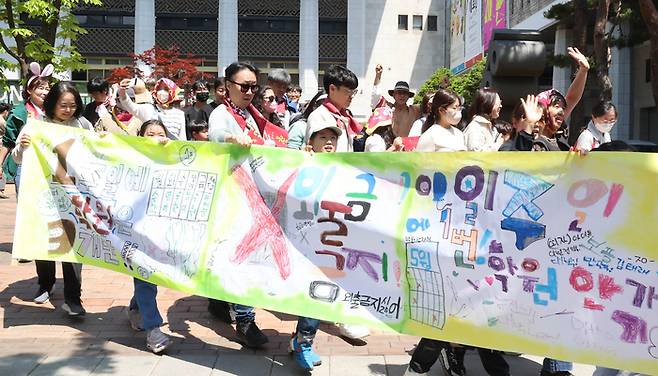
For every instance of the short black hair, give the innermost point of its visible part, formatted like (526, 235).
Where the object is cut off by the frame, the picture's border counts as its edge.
(55, 93)
(504, 127)
(338, 75)
(198, 84)
(5, 107)
(148, 123)
(219, 82)
(617, 145)
(238, 66)
(97, 85)
(602, 108)
(197, 126)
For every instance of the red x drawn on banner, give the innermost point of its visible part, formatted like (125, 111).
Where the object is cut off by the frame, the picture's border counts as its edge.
(265, 228)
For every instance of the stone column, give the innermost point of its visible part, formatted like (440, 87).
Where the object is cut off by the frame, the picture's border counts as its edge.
(622, 96)
(356, 54)
(227, 47)
(144, 29)
(562, 76)
(309, 34)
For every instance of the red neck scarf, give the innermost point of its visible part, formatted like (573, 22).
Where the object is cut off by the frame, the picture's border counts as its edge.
(354, 126)
(266, 130)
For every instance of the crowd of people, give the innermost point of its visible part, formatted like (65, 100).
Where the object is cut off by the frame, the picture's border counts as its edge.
(246, 113)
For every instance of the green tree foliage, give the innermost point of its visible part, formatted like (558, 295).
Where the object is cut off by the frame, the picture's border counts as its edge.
(465, 84)
(36, 29)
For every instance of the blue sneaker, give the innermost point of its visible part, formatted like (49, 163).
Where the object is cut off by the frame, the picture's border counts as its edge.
(304, 355)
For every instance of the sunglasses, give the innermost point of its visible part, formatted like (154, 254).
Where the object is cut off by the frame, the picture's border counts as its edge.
(244, 88)
(271, 98)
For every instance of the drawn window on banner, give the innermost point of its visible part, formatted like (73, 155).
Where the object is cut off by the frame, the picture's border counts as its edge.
(181, 194)
(426, 292)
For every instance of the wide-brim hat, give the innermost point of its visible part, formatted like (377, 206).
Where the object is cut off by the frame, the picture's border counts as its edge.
(401, 86)
(142, 95)
(381, 117)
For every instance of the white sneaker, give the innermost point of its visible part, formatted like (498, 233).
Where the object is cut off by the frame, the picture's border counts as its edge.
(353, 331)
(157, 341)
(42, 297)
(410, 372)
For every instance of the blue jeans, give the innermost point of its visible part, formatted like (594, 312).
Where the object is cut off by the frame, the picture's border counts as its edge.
(243, 313)
(17, 179)
(552, 365)
(306, 329)
(144, 300)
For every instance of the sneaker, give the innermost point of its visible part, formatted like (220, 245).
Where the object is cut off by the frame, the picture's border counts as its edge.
(135, 319)
(3, 195)
(73, 308)
(353, 331)
(221, 310)
(249, 335)
(411, 372)
(556, 373)
(304, 355)
(315, 358)
(452, 361)
(42, 296)
(156, 341)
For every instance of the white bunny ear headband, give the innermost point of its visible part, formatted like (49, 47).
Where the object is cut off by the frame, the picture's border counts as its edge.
(37, 72)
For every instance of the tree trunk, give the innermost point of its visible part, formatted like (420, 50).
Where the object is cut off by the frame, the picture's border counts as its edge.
(650, 17)
(49, 29)
(20, 55)
(577, 122)
(602, 50)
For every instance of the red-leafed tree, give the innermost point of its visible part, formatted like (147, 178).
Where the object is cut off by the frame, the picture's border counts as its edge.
(165, 63)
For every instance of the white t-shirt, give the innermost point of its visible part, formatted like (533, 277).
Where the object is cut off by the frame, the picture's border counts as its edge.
(591, 138)
(438, 138)
(417, 127)
(172, 118)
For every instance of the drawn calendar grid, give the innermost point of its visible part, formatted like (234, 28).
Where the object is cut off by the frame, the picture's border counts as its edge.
(426, 290)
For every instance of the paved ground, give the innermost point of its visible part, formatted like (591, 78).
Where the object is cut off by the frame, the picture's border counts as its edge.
(41, 340)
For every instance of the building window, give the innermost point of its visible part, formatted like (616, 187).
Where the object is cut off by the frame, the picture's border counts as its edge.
(418, 23)
(403, 22)
(432, 23)
(128, 20)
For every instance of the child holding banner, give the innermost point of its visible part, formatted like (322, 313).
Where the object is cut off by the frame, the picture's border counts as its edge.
(143, 309)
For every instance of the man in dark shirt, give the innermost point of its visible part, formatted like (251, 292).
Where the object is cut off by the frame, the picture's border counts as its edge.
(200, 110)
(97, 88)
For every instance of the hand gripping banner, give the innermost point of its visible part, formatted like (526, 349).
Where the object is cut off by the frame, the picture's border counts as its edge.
(551, 254)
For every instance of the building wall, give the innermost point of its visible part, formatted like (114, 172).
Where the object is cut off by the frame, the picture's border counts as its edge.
(406, 55)
(520, 10)
(644, 107)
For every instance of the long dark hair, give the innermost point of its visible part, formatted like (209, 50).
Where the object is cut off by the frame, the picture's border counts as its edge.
(258, 102)
(483, 103)
(442, 99)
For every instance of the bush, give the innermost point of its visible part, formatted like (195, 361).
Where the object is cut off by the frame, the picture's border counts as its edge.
(465, 84)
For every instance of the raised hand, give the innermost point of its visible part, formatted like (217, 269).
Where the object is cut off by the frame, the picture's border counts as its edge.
(533, 112)
(578, 57)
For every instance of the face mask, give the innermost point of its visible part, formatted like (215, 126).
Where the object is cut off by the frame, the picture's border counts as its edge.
(202, 96)
(162, 96)
(453, 116)
(604, 127)
(271, 106)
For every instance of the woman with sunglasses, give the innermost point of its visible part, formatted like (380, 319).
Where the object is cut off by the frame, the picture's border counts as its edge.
(265, 101)
(237, 120)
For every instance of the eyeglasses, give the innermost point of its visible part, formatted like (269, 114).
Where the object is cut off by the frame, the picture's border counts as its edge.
(352, 93)
(271, 98)
(244, 88)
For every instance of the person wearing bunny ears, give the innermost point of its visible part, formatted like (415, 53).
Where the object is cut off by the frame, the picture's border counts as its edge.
(165, 94)
(35, 92)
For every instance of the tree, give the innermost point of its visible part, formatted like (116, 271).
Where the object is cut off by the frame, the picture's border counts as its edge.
(36, 27)
(464, 84)
(165, 63)
(650, 17)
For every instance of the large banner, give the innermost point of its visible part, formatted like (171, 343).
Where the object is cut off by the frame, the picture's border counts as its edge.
(473, 48)
(542, 253)
(457, 35)
(495, 17)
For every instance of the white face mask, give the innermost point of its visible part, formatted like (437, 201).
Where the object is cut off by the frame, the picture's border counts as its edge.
(604, 127)
(162, 96)
(271, 106)
(453, 116)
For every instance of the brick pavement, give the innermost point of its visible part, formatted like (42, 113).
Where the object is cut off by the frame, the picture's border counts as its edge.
(40, 339)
